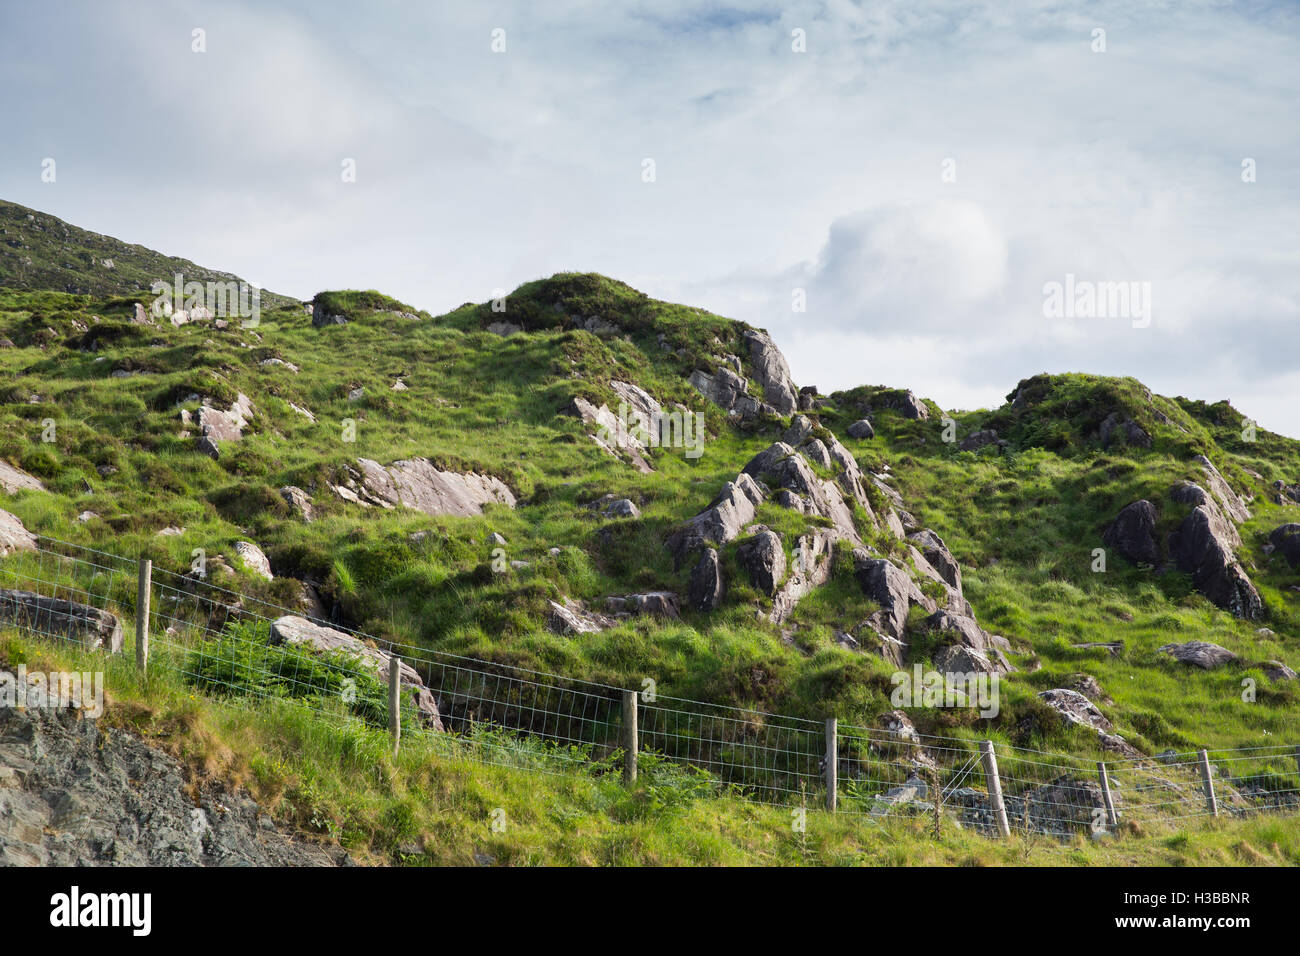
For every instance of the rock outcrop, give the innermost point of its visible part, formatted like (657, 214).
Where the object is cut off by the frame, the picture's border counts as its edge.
(90, 626)
(733, 509)
(763, 559)
(1202, 546)
(938, 556)
(772, 372)
(1285, 539)
(1122, 430)
(217, 426)
(889, 586)
(13, 536)
(419, 484)
(299, 631)
(1075, 707)
(14, 480)
(811, 568)
(968, 648)
(1133, 533)
(707, 587)
(1201, 654)
(861, 429)
(253, 559)
(75, 793)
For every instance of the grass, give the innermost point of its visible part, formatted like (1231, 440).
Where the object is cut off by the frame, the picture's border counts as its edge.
(1023, 523)
(338, 781)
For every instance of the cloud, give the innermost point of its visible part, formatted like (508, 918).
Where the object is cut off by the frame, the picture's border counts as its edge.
(776, 169)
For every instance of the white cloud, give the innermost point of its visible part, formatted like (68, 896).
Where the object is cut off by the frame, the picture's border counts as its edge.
(478, 170)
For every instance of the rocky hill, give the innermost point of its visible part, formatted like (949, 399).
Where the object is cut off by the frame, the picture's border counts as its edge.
(483, 482)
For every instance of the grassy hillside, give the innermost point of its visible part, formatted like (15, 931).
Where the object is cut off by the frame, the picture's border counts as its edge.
(40, 251)
(1022, 519)
(432, 805)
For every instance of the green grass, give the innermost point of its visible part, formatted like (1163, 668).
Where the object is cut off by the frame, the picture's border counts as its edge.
(336, 779)
(1023, 524)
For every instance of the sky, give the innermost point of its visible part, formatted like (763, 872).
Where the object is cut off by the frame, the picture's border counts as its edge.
(916, 175)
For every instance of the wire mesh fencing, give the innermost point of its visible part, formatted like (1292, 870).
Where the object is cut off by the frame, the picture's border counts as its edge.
(230, 645)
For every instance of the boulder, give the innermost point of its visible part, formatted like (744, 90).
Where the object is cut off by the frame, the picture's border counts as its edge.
(1068, 804)
(662, 604)
(861, 429)
(707, 588)
(907, 404)
(1286, 540)
(90, 626)
(572, 618)
(729, 391)
(961, 633)
(938, 557)
(780, 466)
(1122, 430)
(977, 440)
(763, 559)
(1201, 654)
(299, 631)
(1203, 547)
(13, 536)
(1276, 670)
(253, 559)
(321, 317)
(419, 484)
(810, 570)
(612, 507)
(1087, 685)
(1231, 502)
(889, 586)
(298, 500)
(733, 509)
(1133, 533)
(14, 480)
(772, 372)
(1075, 708)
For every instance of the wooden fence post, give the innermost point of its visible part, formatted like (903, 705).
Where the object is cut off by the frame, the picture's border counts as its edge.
(395, 701)
(832, 762)
(631, 739)
(995, 788)
(1112, 818)
(1211, 802)
(143, 590)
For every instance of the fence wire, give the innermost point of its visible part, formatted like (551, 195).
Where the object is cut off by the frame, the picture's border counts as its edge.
(232, 645)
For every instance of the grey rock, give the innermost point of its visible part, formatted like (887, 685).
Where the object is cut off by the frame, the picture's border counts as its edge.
(707, 587)
(763, 559)
(253, 559)
(772, 372)
(977, 440)
(572, 618)
(298, 631)
(890, 587)
(1133, 533)
(84, 794)
(861, 429)
(13, 536)
(1276, 670)
(1202, 547)
(733, 509)
(90, 626)
(420, 485)
(810, 569)
(1201, 654)
(938, 556)
(1075, 708)
(1119, 429)
(298, 500)
(1286, 540)
(14, 480)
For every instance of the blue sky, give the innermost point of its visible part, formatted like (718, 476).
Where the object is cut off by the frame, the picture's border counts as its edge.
(775, 170)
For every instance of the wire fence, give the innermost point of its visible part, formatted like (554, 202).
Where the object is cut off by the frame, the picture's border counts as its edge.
(227, 644)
